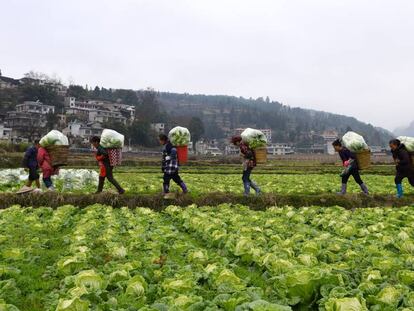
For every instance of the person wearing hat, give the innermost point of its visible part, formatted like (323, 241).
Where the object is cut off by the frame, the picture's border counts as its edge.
(351, 167)
(249, 162)
(404, 166)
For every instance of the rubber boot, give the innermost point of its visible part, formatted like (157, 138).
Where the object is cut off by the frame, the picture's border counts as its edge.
(183, 187)
(246, 188)
(400, 191)
(343, 189)
(255, 187)
(364, 189)
(100, 184)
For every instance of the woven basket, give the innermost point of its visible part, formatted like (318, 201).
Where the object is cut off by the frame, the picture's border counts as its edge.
(363, 159)
(58, 155)
(261, 155)
(115, 156)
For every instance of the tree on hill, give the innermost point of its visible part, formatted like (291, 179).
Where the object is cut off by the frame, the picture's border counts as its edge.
(196, 128)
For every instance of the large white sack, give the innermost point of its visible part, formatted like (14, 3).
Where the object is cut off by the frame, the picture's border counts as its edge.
(354, 142)
(254, 138)
(54, 138)
(408, 142)
(112, 139)
(179, 136)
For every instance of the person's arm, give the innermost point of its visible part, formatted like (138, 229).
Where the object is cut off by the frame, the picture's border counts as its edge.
(173, 154)
(404, 158)
(26, 157)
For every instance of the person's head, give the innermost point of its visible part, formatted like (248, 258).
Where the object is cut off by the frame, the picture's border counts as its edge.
(394, 144)
(236, 140)
(163, 139)
(95, 140)
(36, 143)
(337, 145)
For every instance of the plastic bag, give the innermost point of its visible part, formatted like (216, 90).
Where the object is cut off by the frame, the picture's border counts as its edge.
(354, 142)
(112, 139)
(54, 138)
(254, 138)
(408, 142)
(179, 136)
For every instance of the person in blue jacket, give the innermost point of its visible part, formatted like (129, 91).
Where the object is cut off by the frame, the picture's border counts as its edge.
(351, 167)
(170, 165)
(30, 164)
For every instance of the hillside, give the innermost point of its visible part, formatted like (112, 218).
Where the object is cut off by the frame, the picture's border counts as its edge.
(405, 131)
(222, 114)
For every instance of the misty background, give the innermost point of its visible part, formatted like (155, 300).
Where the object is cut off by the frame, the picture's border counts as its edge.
(348, 57)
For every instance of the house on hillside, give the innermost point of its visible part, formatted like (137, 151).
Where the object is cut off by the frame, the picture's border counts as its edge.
(28, 120)
(279, 149)
(5, 132)
(158, 127)
(8, 83)
(99, 111)
(78, 129)
(329, 137)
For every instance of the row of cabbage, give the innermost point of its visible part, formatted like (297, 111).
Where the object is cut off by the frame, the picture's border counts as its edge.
(99, 258)
(317, 258)
(85, 181)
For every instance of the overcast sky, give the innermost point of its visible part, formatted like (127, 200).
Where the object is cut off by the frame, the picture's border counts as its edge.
(353, 57)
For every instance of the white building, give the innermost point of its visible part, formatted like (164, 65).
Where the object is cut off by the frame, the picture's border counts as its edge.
(279, 149)
(329, 137)
(35, 107)
(5, 132)
(158, 127)
(84, 130)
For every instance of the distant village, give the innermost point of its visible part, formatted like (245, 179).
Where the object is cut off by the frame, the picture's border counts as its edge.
(82, 119)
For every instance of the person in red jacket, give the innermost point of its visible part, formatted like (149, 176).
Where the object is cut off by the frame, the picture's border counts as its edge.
(45, 163)
(248, 164)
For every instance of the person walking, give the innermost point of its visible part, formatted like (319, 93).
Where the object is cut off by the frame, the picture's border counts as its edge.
(30, 164)
(404, 165)
(45, 163)
(170, 166)
(351, 168)
(249, 162)
(105, 168)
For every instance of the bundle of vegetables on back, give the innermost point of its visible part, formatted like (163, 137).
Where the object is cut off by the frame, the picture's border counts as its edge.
(257, 141)
(57, 145)
(180, 137)
(113, 142)
(356, 143)
(408, 142)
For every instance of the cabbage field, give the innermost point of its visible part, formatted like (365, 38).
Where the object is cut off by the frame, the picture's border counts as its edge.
(224, 257)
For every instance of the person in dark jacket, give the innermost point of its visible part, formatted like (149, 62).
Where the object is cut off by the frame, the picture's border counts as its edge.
(351, 167)
(170, 165)
(30, 163)
(404, 165)
(249, 162)
(105, 168)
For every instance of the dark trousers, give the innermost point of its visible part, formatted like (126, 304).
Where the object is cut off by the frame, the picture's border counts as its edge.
(111, 179)
(354, 172)
(48, 182)
(246, 175)
(175, 177)
(401, 175)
